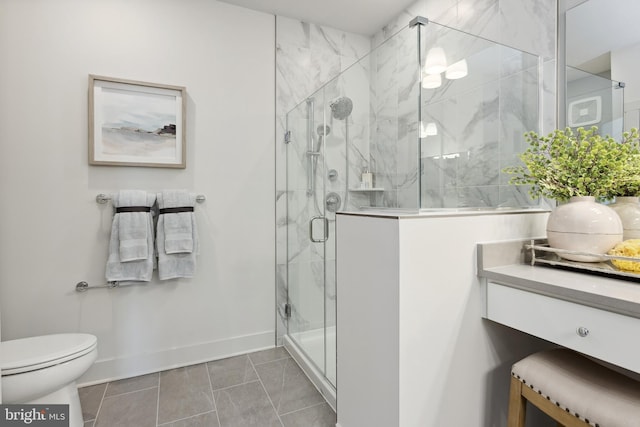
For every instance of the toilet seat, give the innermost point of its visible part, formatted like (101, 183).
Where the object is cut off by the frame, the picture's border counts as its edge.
(30, 354)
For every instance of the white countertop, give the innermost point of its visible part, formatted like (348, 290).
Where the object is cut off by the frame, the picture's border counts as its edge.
(611, 294)
(555, 304)
(437, 212)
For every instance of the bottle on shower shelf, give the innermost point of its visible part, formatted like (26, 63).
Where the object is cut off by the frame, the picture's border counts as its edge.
(367, 179)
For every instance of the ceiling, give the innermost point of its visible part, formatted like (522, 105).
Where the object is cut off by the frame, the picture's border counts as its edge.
(594, 27)
(597, 27)
(364, 17)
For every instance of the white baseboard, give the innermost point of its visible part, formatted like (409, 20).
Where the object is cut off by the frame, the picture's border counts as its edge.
(130, 366)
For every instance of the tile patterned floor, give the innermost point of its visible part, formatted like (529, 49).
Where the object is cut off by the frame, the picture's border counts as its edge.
(261, 389)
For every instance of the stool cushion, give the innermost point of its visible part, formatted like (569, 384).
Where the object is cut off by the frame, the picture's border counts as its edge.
(595, 394)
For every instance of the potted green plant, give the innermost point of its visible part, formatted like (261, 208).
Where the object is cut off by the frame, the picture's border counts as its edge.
(578, 167)
(566, 164)
(627, 189)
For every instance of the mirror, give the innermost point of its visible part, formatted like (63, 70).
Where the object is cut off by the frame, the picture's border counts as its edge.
(602, 54)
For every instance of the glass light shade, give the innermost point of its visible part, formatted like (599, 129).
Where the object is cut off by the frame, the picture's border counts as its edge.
(430, 129)
(457, 70)
(431, 81)
(436, 61)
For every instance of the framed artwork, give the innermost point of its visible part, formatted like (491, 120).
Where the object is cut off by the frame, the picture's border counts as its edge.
(133, 123)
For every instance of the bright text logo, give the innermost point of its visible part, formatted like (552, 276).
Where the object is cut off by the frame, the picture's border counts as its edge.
(34, 415)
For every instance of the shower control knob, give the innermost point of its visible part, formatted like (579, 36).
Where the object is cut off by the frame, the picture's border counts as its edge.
(582, 331)
(333, 202)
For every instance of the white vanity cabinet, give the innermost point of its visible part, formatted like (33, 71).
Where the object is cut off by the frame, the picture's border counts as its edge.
(595, 315)
(603, 334)
(412, 347)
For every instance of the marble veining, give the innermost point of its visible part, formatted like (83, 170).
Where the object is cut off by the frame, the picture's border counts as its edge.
(481, 120)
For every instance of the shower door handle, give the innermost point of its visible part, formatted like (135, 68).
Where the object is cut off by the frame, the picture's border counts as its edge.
(325, 226)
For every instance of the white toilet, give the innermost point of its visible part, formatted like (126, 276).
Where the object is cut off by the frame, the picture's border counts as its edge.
(44, 370)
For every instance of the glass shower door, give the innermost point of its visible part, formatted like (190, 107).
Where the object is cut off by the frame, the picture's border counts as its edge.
(308, 229)
(594, 100)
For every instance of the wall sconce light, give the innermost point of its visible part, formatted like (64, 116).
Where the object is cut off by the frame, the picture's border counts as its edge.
(457, 70)
(430, 129)
(431, 81)
(436, 61)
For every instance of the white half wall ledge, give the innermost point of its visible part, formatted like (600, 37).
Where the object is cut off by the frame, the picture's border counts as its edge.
(141, 364)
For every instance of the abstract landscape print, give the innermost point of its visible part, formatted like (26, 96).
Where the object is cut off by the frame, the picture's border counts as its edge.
(136, 123)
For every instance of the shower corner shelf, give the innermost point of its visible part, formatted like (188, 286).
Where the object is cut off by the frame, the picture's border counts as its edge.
(365, 190)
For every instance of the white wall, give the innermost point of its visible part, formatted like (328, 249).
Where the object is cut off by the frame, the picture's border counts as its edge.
(411, 336)
(624, 67)
(52, 232)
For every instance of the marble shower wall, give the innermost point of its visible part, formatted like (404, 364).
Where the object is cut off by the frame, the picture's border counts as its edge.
(384, 132)
(482, 121)
(527, 25)
(308, 56)
(394, 123)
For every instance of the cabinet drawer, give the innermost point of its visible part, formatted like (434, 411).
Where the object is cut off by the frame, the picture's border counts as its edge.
(612, 337)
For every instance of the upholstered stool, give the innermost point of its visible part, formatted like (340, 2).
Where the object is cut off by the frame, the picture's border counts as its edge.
(573, 390)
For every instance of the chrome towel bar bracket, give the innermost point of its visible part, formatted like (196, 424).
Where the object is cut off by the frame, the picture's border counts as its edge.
(104, 198)
(84, 286)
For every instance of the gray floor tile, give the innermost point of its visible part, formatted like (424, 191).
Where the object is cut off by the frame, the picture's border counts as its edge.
(232, 371)
(136, 409)
(317, 416)
(261, 389)
(90, 399)
(270, 355)
(245, 405)
(132, 384)
(288, 387)
(184, 392)
(210, 419)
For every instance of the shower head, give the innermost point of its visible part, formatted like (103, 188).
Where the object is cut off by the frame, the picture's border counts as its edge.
(323, 130)
(341, 107)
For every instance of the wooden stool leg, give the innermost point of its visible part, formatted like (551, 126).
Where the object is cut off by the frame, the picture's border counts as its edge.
(517, 405)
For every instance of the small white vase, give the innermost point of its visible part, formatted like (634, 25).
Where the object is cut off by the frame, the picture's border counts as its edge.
(582, 225)
(628, 209)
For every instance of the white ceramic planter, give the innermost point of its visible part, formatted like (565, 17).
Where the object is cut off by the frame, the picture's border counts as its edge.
(582, 225)
(628, 209)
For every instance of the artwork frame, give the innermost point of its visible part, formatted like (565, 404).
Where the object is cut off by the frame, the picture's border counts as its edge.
(136, 123)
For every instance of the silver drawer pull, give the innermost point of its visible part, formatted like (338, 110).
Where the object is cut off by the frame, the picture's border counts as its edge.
(582, 331)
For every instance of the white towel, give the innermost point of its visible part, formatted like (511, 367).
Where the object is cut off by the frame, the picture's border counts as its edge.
(177, 236)
(131, 244)
(178, 232)
(133, 226)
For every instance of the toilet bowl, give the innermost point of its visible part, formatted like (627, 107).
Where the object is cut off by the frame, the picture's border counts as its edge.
(44, 370)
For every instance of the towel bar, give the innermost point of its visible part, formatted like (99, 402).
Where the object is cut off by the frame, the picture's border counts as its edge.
(104, 198)
(84, 286)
